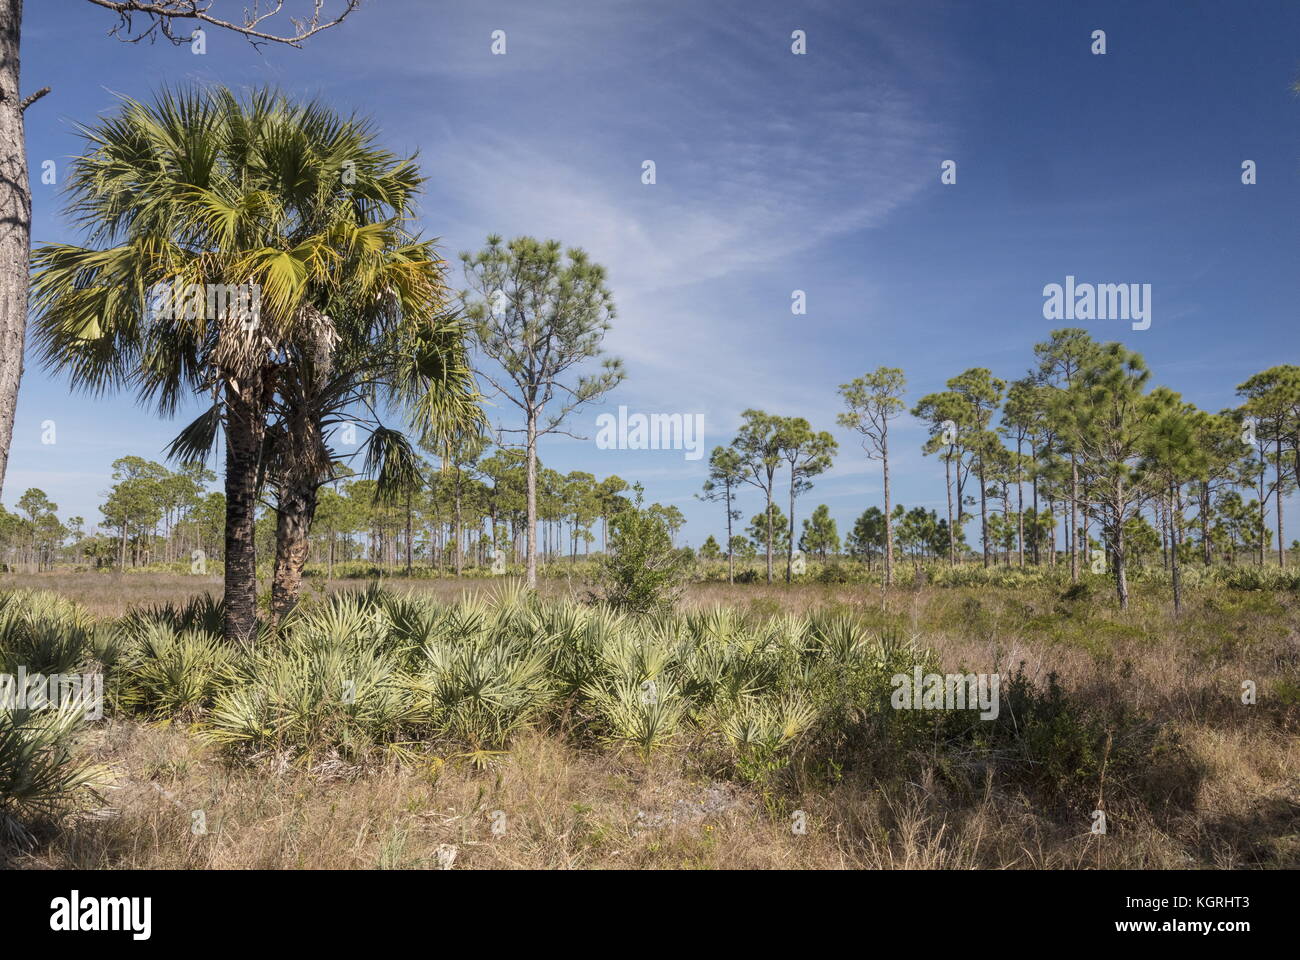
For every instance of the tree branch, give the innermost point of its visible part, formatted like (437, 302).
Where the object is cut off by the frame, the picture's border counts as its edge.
(32, 98)
(161, 13)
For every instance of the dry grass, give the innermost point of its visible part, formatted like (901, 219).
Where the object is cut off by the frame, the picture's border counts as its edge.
(562, 808)
(1231, 790)
(111, 593)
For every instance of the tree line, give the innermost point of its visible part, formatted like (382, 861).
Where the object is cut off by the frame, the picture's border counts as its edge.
(1081, 444)
(465, 509)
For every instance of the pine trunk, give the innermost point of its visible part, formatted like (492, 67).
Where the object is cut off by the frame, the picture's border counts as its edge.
(889, 519)
(15, 226)
(532, 500)
(952, 530)
(1074, 520)
(1281, 541)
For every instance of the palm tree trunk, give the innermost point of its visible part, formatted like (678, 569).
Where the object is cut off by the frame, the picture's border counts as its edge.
(15, 225)
(294, 513)
(244, 431)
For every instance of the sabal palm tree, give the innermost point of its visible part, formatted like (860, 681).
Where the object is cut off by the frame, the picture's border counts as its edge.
(205, 188)
(420, 369)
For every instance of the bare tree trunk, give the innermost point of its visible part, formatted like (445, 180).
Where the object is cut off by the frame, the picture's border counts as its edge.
(1006, 508)
(1037, 521)
(731, 558)
(15, 226)
(952, 530)
(1164, 531)
(1281, 541)
(1263, 512)
(1173, 530)
(532, 500)
(769, 538)
(459, 530)
(1020, 505)
(889, 518)
(1205, 521)
(1074, 519)
(244, 431)
(789, 547)
(1051, 512)
(984, 514)
(410, 540)
(1121, 574)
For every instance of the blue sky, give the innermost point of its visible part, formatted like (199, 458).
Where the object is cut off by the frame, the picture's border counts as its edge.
(778, 172)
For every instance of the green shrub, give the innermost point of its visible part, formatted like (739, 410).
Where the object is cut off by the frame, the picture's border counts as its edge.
(642, 572)
(476, 681)
(40, 777)
(645, 714)
(762, 731)
(169, 672)
(44, 632)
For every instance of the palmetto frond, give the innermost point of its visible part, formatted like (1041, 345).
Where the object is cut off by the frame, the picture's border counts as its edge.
(197, 440)
(395, 466)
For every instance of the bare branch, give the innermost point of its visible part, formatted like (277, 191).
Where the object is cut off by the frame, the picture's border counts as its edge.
(162, 13)
(32, 98)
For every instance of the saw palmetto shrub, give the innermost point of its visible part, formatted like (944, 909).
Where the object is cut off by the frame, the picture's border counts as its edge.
(479, 675)
(372, 674)
(328, 682)
(166, 672)
(44, 632)
(42, 775)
